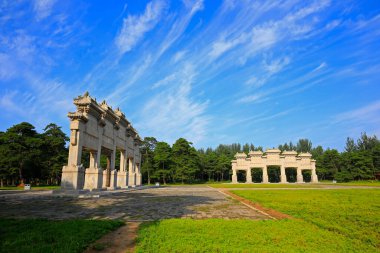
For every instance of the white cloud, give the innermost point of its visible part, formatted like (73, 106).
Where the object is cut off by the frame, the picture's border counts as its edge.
(321, 66)
(164, 81)
(270, 69)
(369, 112)
(221, 46)
(10, 101)
(179, 56)
(7, 67)
(43, 8)
(276, 65)
(173, 112)
(194, 5)
(251, 98)
(135, 27)
(256, 82)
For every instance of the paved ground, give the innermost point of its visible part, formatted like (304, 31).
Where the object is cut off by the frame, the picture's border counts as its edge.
(140, 205)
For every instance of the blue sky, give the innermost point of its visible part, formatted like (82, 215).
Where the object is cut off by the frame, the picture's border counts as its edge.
(265, 72)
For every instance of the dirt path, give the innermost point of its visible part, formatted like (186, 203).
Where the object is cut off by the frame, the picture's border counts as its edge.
(121, 240)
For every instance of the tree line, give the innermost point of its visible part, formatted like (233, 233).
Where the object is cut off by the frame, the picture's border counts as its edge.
(32, 157)
(38, 158)
(181, 162)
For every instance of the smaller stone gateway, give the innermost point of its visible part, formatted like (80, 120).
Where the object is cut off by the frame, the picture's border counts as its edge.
(273, 157)
(100, 130)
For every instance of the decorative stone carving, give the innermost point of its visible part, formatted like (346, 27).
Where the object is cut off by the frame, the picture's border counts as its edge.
(99, 129)
(273, 157)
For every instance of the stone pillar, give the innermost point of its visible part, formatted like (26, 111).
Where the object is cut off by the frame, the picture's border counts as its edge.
(94, 175)
(299, 176)
(105, 178)
(113, 180)
(265, 175)
(122, 180)
(249, 176)
(138, 174)
(283, 175)
(113, 172)
(100, 133)
(73, 173)
(234, 175)
(314, 177)
(131, 173)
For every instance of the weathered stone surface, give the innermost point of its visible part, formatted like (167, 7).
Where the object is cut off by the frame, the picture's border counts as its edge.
(99, 129)
(273, 157)
(137, 205)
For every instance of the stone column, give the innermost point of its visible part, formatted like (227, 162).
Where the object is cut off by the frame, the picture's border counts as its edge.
(299, 176)
(283, 175)
(138, 174)
(314, 177)
(234, 176)
(94, 175)
(113, 172)
(73, 173)
(122, 180)
(249, 176)
(265, 175)
(131, 173)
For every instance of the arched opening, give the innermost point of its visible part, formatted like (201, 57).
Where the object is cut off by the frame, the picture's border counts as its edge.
(85, 159)
(291, 175)
(257, 175)
(274, 174)
(241, 176)
(306, 176)
(117, 160)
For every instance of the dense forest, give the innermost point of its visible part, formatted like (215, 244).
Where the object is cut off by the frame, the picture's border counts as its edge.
(182, 163)
(37, 158)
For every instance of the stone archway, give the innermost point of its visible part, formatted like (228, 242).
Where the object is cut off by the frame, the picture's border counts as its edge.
(257, 175)
(242, 176)
(102, 131)
(274, 174)
(274, 163)
(291, 175)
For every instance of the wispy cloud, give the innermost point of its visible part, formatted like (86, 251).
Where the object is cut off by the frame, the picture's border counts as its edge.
(174, 112)
(135, 27)
(321, 66)
(43, 8)
(368, 112)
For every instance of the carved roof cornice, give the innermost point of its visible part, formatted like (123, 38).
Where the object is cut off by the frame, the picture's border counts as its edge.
(255, 153)
(240, 155)
(103, 112)
(78, 116)
(305, 155)
(273, 151)
(289, 153)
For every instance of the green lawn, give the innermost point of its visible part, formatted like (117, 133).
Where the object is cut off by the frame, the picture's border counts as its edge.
(34, 188)
(328, 221)
(306, 185)
(36, 235)
(353, 213)
(356, 183)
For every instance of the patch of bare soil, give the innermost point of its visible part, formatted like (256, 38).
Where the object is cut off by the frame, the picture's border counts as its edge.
(119, 241)
(270, 212)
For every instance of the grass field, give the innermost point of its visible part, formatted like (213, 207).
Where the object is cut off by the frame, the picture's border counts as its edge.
(31, 235)
(34, 188)
(327, 221)
(353, 213)
(265, 185)
(355, 183)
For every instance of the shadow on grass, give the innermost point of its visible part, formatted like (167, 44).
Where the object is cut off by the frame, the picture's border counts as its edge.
(41, 235)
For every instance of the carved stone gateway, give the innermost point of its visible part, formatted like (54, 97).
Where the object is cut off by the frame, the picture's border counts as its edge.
(273, 157)
(100, 130)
